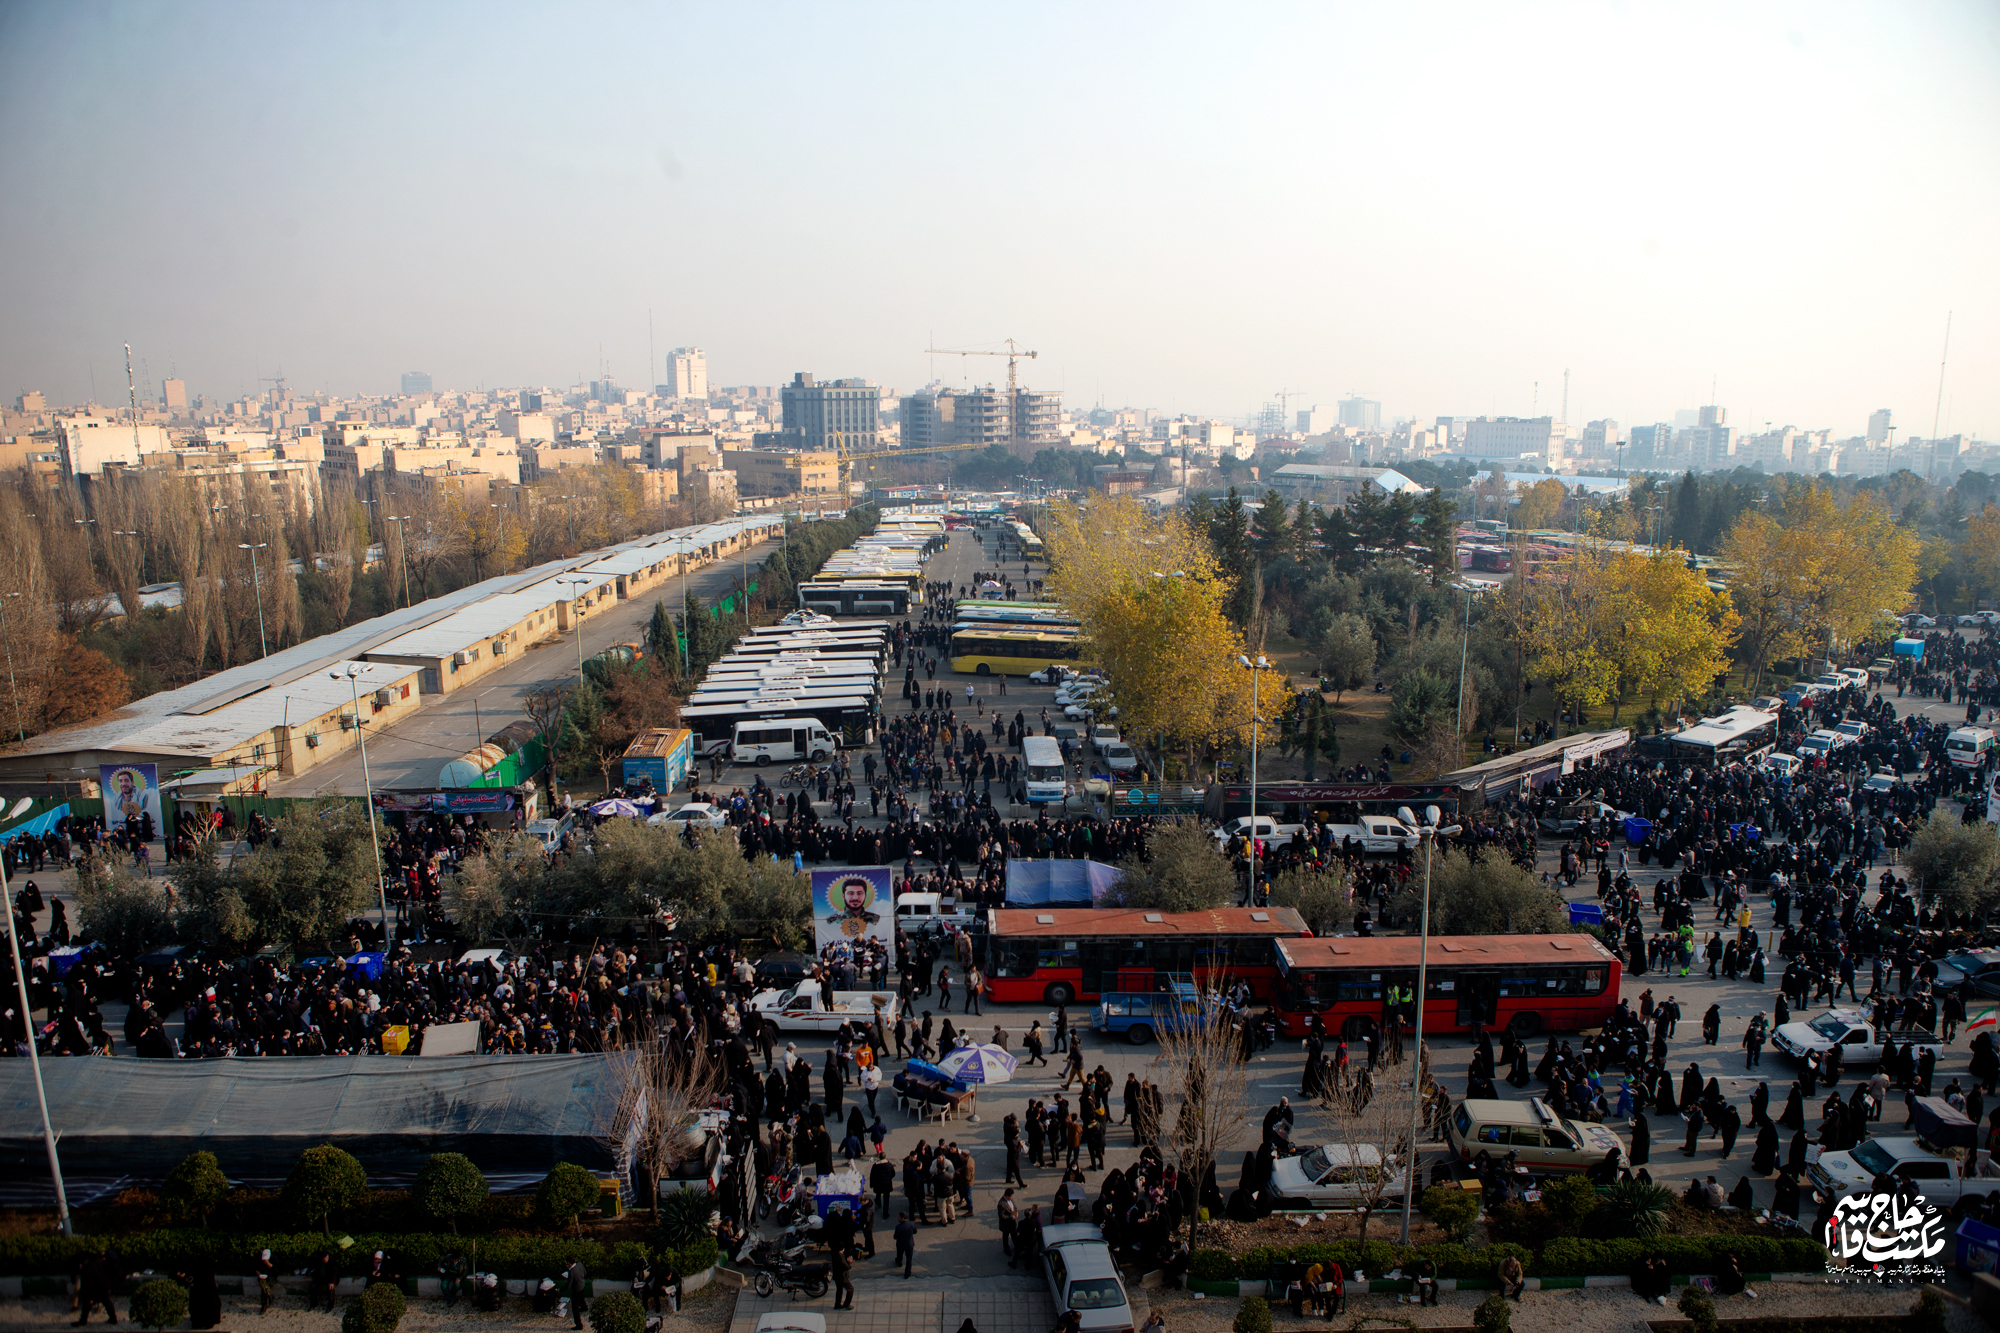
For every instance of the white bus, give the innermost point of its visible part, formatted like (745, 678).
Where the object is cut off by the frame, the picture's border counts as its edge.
(1740, 735)
(1042, 757)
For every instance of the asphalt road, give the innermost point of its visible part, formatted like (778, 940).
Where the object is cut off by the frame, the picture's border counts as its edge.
(410, 753)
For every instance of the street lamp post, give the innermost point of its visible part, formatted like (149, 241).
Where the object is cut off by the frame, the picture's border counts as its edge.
(353, 674)
(19, 727)
(576, 612)
(34, 1058)
(1429, 832)
(257, 586)
(1255, 668)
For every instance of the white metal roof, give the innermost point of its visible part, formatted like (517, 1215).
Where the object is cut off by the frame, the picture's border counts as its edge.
(472, 625)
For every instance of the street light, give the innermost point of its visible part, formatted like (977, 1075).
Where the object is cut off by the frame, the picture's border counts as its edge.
(403, 545)
(576, 612)
(1429, 832)
(257, 586)
(18, 727)
(1262, 664)
(34, 1057)
(353, 674)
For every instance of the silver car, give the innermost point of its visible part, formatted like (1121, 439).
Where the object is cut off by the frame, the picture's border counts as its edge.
(1082, 1277)
(1334, 1176)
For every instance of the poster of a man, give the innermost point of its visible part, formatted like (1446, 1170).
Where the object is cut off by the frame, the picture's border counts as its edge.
(131, 797)
(851, 905)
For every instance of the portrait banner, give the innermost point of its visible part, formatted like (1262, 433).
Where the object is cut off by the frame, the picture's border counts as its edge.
(131, 792)
(853, 904)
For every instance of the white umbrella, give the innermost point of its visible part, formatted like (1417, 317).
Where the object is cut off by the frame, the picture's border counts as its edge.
(617, 805)
(981, 1062)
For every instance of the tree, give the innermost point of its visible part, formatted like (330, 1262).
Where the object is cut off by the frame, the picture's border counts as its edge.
(449, 1187)
(1337, 536)
(1273, 536)
(565, 1192)
(1320, 896)
(1205, 1081)
(1421, 703)
(1666, 631)
(1346, 654)
(1540, 505)
(1490, 896)
(81, 683)
(323, 1181)
(211, 911)
(1955, 861)
(1439, 519)
(497, 887)
(1180, 870)
(308, 880)
(1565, 625)
(658, 1089)
(122, 911)
(195, 1188)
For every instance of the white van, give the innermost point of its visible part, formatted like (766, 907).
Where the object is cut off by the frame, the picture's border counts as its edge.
(781, 741)
(1042, 757)
(929, 913)
(1967, 747)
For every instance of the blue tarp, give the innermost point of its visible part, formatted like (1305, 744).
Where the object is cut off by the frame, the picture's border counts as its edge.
(41, 824)
(1058, 883)
(1908, 648)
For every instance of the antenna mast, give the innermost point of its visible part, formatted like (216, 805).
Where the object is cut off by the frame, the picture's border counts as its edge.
(132, 391)
(1937, 412)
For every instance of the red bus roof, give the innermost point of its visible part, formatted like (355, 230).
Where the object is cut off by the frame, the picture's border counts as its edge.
(1380, 951)
(1129, 921)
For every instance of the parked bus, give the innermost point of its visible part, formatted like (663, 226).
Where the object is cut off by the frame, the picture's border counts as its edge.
(1492, 559)
(1042, 757)
(986, 652)
(856, 597)
(1531, 983)
(848, 717)
(1743, 733)
(1059, 955)
(994, 611)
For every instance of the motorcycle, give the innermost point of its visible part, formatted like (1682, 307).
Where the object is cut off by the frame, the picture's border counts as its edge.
(810, 1279)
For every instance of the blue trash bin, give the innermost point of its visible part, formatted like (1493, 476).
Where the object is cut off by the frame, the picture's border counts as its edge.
(1586, 914)
(1636, 829)
(1978, 1247)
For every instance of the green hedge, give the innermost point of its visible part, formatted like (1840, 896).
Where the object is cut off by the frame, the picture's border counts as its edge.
(419, 1253)
(1374, 1257)
(1566, 1257)
(695, 1256)
(1577, 1257)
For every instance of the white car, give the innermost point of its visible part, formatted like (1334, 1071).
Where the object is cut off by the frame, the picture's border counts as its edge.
(1083, 1277)
(1919, 622)
(1102, 736)
(1072, 690)
(1883, 779)
(807, 618)
(1120, 759)
(1333, 1176)
(1983, 618)
(1859, 675)
(699, 813)
(1051, 675)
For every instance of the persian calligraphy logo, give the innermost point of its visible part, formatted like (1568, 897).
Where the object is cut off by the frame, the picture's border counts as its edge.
(1885, 1228)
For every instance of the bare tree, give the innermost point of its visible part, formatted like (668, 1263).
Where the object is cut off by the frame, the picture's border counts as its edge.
(1205, 1077)
(1371, 1111)
(660, 1085)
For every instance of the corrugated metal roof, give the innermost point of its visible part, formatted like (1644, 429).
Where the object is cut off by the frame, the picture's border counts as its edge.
(467, 628)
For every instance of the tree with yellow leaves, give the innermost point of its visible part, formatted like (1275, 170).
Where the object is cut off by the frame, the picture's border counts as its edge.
(1571, 605)
(1820, 568)
(1152, 602)
(1668, 632)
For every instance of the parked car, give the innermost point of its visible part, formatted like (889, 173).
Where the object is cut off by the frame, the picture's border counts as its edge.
(1930, 1174)
(699, 813)
(1121, 760)
(807, 618)
(1541, 1140)
(1919, 622)
(781, 971)
(1051, 675)
(1859, 675)
(1970, 972)
(1337, 1175)
(1882, 779)
(1083, 1277)
(1574, 817)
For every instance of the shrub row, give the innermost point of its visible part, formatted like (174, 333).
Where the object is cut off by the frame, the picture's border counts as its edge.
(1375, 1257)
(1577, 1257)
(418, 1252)
(1565, 1257)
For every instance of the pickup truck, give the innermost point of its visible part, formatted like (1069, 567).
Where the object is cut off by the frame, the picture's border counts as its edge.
(1378, 834)
(1848, 1029)
(930, 913)
(1270, 830)
(1932, 1175)
(798, 1009)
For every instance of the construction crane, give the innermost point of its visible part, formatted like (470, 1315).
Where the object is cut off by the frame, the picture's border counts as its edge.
(278, 383)
(1013, 354)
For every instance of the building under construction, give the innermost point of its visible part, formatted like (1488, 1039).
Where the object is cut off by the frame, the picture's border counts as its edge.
(980, 417)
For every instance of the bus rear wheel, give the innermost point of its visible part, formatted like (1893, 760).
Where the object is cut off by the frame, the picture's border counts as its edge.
(983, 670)
(1526, 1025)
(1138, 1034)
(1059, 993)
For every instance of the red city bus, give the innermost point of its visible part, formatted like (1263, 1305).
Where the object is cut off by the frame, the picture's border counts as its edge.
(1057, 955)
(1531, 983)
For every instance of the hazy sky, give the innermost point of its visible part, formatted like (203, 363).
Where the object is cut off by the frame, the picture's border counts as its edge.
(1180, 206)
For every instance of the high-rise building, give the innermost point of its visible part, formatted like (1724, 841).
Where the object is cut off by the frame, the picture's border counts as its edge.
(1600, 439)
(687, 373)
(1536, 439)
(416, 381)
(1037, 416)
(1879, 426)
(845, 415)
(174, 395)
(1361, 413)
(1317, 420)
(981, 416)
(1712, 416)
(1649, 444)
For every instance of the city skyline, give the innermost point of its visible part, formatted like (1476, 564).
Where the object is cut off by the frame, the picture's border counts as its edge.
(1460, 206)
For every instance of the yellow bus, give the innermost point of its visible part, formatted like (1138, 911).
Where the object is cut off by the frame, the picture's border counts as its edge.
(1015, 652)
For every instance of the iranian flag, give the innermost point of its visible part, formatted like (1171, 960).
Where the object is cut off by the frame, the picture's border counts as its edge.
(1981, 1020)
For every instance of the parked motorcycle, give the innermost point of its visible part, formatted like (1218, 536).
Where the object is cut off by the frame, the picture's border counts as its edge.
(811, 1280)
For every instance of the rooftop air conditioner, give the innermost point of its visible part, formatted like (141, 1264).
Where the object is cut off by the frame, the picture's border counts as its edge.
(463, 657)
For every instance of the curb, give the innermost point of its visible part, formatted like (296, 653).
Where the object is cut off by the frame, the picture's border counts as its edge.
(1394, 1286)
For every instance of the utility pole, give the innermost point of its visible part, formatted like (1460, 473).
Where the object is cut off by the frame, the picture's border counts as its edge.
(257, 587)
(353, 674)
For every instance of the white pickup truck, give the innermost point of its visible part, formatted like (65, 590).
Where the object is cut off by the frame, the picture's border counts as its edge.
(1379, 834)
(799, 1009)
(1848, 1029)
(1932, 1175)
(1270, 830)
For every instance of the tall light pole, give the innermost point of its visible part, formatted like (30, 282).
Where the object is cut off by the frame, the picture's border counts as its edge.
(21, 729)
(576, 613)
(1464, 647)
(403, 544)
(1428, 831)
(353, 674)
(687, 627)
(34, 1057)
(257, 586)
(1256, 668)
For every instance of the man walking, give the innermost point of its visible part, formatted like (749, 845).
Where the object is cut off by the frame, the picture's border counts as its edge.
(906, 1244)
(579, 1290)
(843, 1277)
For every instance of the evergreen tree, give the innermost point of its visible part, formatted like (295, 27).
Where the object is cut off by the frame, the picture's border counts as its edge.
(1230, 535)
(1402, 520)
(1368, 515)
(662, 639)
(1338, 542)
(1440, 528)
(582, 728)
(1273, 531)
(1685, 523)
